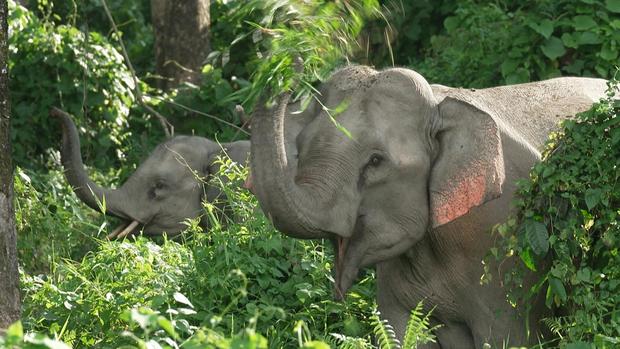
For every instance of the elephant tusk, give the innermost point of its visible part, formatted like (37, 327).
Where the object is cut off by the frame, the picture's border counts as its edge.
(128, 230)
(342, 249)
(116, 231)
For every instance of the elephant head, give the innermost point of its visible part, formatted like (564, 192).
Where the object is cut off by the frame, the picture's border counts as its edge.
(163, 192)
(411, 164)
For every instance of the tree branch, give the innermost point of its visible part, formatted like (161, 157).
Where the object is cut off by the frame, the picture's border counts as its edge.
(239, 129)
(165, 124)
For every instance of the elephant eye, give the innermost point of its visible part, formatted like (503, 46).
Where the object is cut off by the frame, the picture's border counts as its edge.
(375, 160)
(159, 185)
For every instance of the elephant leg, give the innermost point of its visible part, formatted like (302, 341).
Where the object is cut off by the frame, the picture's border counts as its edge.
(396, 313)
(455, 335)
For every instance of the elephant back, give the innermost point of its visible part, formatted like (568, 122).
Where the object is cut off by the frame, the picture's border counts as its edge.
(531, 110)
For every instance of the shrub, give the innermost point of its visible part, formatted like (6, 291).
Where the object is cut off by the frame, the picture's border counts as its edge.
(567, 228)
(51, 222)
(507, 42)
(235, 277)
(132, 17)
(258, 60)
(224, 287)
(80, 73)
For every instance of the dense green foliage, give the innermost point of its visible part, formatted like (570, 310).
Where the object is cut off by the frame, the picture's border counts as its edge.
(240, 279)
(537, 40)
(487, 43)
(132, 17)
(51, 222)
(568, 228)
(81, 73)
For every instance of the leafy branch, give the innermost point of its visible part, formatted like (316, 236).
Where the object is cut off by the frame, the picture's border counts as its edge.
(567, 227)
(322, 35)
(165, 124)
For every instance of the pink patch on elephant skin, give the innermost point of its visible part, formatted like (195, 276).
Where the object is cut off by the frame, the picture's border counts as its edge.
(458, 200)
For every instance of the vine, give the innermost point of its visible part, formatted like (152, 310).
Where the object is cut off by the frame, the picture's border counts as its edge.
(567, 228)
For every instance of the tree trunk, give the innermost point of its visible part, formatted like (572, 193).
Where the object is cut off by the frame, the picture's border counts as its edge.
(9, 276)
(181, 39)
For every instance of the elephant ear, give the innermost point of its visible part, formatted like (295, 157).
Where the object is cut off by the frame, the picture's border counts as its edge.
(469, 168)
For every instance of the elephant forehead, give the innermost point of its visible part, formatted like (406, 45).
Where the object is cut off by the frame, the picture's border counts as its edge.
(168, 165)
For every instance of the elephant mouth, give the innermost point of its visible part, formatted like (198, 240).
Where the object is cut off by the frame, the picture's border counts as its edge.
(152, 226)
(340, 289)
(124, 229)
(346, 266)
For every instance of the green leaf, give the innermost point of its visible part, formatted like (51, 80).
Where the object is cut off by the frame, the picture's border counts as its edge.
(584, 275)
(600, 341)
(509, 66)
(544, 28)
(609, 52)
(588, 38)
(16, 330)
(142, 320)
(352, 327)
(152, 344)
(167, 326)
(579, 345)
(558, 288)
(451, 23)
(537, 236)
(593, 197)
(180, 297)
(553, 48)
(528, 259)
(340, 127)
(54, 344)
(613, 5)
(549, 297)
(521, 75)
(582, 22)
(315, 345)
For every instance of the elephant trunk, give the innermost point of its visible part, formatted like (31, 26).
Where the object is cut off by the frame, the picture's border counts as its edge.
(88, 191)
(292, 208)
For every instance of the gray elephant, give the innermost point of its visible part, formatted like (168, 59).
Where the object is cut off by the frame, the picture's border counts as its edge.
(427, 172)
(164, 191)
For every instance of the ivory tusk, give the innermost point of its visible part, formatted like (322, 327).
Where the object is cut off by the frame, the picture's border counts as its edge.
(128, 230)
(118, 229)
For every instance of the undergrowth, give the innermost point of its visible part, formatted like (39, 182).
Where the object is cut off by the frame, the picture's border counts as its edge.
(240, 285)
(567, 232)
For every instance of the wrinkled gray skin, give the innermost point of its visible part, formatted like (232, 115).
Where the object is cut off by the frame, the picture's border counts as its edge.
(163, 192)
(428, 171)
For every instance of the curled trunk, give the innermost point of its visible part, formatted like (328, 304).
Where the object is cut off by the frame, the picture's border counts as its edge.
(295, 210)
(88, 191)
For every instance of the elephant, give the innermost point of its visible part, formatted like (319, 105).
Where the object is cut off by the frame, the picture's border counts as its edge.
(165, 190)
(414, 189)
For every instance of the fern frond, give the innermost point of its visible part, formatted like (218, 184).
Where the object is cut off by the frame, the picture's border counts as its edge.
(384, 332)
(418, 328)
(557, 325)
(344, 342)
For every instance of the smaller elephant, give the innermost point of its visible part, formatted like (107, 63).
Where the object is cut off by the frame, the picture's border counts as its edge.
(164, 191)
